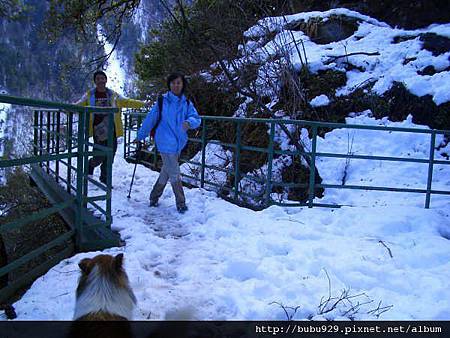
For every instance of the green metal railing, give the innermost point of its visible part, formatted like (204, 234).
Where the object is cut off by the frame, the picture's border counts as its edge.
(133, 120)
(59, 167)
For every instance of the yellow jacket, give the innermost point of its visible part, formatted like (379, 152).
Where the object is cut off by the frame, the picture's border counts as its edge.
(117, 101)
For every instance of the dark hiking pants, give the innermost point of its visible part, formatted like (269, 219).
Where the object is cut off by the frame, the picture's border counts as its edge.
(95, 161)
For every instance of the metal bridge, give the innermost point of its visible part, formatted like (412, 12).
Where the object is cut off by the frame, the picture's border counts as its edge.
(58, 166)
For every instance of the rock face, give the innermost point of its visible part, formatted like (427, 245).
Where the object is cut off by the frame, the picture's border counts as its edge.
(336, 28)
(436, 44)
(401, 13)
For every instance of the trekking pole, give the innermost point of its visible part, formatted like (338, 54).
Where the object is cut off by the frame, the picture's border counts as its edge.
(138, 151)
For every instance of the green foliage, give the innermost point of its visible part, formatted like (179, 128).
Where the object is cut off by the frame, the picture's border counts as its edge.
(81, 17)
(12, 9)
(32, 66)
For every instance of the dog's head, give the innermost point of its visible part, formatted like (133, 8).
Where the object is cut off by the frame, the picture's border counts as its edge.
(105, 266)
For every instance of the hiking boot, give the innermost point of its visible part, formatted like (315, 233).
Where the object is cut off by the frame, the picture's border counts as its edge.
(180, 200)
(154, 203)
(182, 209)
(156, 193)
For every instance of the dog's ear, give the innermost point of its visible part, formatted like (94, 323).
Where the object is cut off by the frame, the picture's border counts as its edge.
(118, 262)
(85, 265)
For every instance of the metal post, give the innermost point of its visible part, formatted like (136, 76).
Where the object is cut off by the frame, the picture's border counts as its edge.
(52, 134)
(41, 134)
(312, 167)
(85, 142)
(79, 192)
(69, 150)
(269, 165)
(430, 169)
(48, 140)
(238, 160)
(202, 172)
(58, 128)
(126, 138)
(35, 133)
(109, 162)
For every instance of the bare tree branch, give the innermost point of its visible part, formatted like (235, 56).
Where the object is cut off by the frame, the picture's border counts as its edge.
(388, 249)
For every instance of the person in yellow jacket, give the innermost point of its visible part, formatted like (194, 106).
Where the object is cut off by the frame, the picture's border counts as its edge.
(101, 96)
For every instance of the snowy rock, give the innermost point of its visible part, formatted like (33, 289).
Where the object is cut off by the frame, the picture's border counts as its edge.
(321, 100)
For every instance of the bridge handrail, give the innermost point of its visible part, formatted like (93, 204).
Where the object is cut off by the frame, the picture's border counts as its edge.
(22, 101)
(318, 124)
(133, 118)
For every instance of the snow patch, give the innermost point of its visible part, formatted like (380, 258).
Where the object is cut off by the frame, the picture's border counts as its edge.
(319, 101)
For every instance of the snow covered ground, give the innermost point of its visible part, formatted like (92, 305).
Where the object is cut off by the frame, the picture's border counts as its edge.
(220, 261)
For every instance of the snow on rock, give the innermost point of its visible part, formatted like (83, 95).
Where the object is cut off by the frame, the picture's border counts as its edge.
(215, 155)
(321, 100)
(371, 48)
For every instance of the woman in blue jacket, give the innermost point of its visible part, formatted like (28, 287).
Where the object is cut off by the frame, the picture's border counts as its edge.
(177, 116)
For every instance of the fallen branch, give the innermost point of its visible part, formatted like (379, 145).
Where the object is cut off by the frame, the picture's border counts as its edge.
(334, 58)
(388, 249)
(285, 308)
(380, 310)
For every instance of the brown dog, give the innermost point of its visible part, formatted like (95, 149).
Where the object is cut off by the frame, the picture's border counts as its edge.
(103, 291)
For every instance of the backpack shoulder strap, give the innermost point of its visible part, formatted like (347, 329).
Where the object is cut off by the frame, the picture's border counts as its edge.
(160, 104)
(160, 108)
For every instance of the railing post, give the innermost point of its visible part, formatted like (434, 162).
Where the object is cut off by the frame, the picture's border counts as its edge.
(80, 161)
(312, 167)
(35, 133)
(41, 134)
(269, 165)
(202, 172)
(69, 150)
(430, 169)
(238, 160)
(48, 140)
(58, 129)
(52, 134)
(109, 162)
(127, 135)
(85, 141)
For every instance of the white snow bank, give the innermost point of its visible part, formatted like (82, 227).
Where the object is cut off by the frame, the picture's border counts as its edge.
(321, 100)
(371, 49)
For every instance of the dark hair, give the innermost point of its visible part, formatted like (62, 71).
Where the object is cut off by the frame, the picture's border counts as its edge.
(99, 72)
(174, 76)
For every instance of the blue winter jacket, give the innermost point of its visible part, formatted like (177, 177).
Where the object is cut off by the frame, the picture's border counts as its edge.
(170, 136)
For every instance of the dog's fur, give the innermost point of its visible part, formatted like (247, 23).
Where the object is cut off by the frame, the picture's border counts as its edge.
(103, 291)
